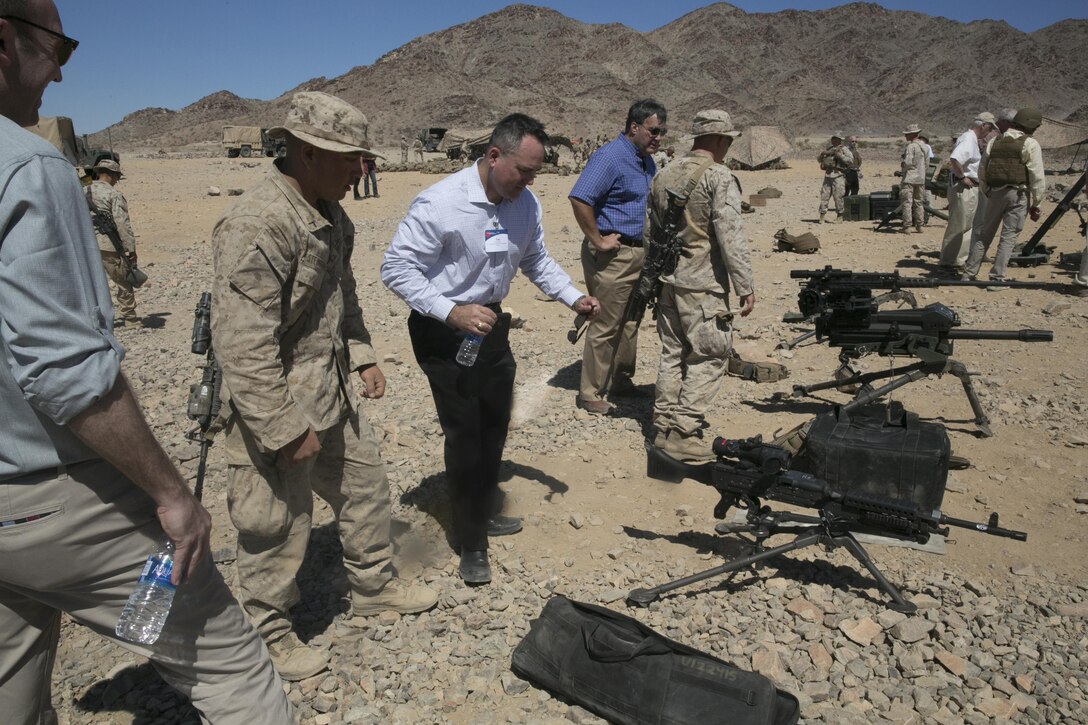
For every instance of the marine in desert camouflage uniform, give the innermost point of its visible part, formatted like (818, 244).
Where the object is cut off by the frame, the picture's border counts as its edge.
(289, 334)
(835, 160)
(912, 186)
(104, 196)
(403, 149)
(693, 309)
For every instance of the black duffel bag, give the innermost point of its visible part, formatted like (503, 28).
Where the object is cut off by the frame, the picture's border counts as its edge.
(625, 672)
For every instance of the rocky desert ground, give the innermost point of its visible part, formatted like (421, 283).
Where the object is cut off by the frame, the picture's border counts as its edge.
(1000, 634)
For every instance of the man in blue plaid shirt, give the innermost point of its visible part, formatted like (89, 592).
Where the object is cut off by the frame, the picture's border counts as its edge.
(609, 203)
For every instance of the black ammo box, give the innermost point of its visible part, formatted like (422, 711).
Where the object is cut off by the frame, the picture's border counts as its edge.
(880, 203)
(901, 458)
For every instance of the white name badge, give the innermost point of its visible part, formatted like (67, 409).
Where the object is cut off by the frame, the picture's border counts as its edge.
(496, 241)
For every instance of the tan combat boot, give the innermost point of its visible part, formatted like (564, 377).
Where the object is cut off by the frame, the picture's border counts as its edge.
(294, 660)
(820, 220)
(396, 596)
(688, 448)
(917, 228)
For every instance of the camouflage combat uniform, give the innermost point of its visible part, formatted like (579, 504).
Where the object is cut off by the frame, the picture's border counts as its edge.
(403, 150)
(111, 202)
(288, 332)
(835, 160)
(694, 321)
(913, 185)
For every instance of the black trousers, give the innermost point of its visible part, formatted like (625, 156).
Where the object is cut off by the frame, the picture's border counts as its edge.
(851, 183)
(473, 407)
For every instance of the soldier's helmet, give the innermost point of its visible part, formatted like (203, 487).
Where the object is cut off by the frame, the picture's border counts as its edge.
(325, 121)
(1029, 118)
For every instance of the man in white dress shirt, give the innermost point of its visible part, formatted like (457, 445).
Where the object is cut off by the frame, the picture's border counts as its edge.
(452, 260)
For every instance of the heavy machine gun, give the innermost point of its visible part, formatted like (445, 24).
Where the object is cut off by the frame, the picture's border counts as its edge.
(204, 397)
(749, 471)
(841, 305)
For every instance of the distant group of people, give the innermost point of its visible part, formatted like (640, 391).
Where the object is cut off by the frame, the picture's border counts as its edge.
(996, 180)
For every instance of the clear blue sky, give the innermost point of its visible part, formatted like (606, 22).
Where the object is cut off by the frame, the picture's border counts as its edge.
(136, 54)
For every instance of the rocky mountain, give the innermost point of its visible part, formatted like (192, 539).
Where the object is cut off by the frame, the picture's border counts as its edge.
(859, 66)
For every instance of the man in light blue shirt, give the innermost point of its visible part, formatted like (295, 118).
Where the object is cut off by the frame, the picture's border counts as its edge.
(86, 492)
(452, 260)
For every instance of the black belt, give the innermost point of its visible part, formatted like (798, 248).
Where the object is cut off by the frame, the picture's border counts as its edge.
(625, 240)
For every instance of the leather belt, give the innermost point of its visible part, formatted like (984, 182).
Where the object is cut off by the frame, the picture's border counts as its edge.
(625, 240)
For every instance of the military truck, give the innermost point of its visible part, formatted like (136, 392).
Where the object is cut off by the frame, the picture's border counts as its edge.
(431, 138)
(244, 141)
(59, 131)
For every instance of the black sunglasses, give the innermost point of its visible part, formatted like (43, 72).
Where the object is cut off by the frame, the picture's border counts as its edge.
(657, 131)
(66, 47)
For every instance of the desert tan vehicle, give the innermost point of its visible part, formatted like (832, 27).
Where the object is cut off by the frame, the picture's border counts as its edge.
(245, 141)
(59, 131)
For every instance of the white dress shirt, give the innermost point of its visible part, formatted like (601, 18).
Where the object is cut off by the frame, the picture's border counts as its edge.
(439, 257)
(967, 153)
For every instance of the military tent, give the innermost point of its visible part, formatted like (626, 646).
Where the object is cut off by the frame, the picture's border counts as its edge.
(759, 146)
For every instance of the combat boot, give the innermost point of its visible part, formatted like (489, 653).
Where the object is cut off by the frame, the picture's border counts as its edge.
(294, 660)
(917, 228)
(396, 595)
(688, 448)
(821, 219)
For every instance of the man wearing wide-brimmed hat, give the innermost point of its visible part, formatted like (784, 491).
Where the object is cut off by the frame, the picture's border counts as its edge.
(109, 203)
(693, 309)
(835, 161)
(289, 334)
(1011, 178)
(912, 187)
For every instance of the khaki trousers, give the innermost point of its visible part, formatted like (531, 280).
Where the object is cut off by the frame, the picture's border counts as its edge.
(962, 202)
(272, 510)
(610, 277)
(84, 558)
(696, 337)
(834, 187)
(1005, 207)
(913, 208)
(122, 290)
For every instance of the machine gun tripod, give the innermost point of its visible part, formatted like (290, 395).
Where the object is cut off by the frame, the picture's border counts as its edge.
(926, 334)
(846, 313)
(758, 471)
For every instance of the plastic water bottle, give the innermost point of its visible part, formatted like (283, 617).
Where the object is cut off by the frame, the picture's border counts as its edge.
(470, 348)
(144, 615)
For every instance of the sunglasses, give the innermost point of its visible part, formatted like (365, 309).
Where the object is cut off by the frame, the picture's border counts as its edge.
(66, 47)
(657, 131)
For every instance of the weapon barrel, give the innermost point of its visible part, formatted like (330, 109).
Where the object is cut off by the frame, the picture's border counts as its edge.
(992, 530)
(1021, 335)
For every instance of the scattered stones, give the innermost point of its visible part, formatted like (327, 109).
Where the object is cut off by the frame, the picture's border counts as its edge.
(862, 631)
(912, 629)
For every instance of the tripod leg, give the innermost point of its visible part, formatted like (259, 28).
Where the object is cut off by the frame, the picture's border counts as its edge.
(898, 603)
(981, 419)
(643, 597)
(868, 397)
(862, 379)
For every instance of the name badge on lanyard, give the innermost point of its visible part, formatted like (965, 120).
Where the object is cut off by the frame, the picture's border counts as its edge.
(496, 241)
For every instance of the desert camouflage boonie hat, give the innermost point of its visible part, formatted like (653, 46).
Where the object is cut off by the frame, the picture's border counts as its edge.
(324, 121)
(986, 117)
(913, 128)
(838, 134)
(713, 123)
(1029, 118)
(109, 165)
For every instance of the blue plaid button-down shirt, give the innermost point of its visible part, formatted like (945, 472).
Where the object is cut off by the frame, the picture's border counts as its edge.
(616, 182)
